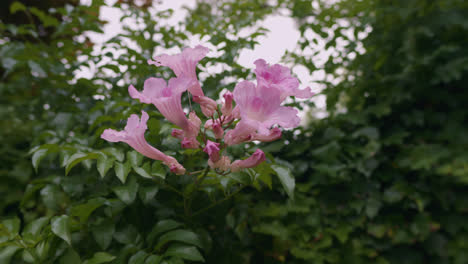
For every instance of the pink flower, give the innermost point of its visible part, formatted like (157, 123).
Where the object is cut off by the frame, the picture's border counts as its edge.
(279, 77)
(227, 107)
(212, 149)
(134, 135)
(165, 97)
(261, 107)
(257, 157)
(184, 65)
(208, 105)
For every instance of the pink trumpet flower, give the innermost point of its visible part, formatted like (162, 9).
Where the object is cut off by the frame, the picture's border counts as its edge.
(166, 97)
(184, 65)
(253, 161)
(212, 149)
(134, 135)
(279, 77)
(260, 108)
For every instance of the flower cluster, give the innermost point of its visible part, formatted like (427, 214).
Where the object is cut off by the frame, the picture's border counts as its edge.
(256, 116)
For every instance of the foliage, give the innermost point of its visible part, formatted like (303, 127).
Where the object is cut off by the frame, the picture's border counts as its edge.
(381, 180)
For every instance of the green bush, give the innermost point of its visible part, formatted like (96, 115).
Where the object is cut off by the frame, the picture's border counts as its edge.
(382, 179)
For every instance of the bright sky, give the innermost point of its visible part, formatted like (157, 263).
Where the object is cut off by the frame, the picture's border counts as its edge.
(283, 36)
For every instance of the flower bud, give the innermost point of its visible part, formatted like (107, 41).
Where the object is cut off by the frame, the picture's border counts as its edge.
(177, 133)
(223, 164)
(227, 107)
(212, 149)
(208, 105)
(218, 130)
(190, 143)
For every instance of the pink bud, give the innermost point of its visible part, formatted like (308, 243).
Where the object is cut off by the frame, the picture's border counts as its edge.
(257, 157)
(177, 169)
(212, 149)
(223, 164)
(227, 107)
(194, 125)
(209, 124)
(207, 105)
(218, 130)
(177, 133)
(190, 143)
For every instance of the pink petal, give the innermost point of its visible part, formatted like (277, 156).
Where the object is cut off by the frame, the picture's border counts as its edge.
(273, 135)
(304, 93)
(285, 117)
(184, 65)
(112, 135)
(243, 132)
(257, 157)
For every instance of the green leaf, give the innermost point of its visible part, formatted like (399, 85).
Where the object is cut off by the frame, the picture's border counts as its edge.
(83, 211)
(144, 171)
(128, 192)
(70, 257)
(162, 227)
(104, 164)
(61, 227)
(100, 257)
(185, 252)
(37, 157)
(180, 235)
(138, 258)
(7, 252)
(77, 158)
(153, 259)
(148, 193)
(158, 170)
(373, 207)
(122, 170)
(117, 153)
(17, 6)
(286, 179)
(12, 226)
(36, 69)
(135, 158)
(34, 228)
(103, 233)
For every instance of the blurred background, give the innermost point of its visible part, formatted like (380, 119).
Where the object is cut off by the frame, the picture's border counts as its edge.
(380, 161)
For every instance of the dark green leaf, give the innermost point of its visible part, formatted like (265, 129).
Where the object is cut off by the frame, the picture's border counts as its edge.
(185, 252)
(286, 179)
(61, 227)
